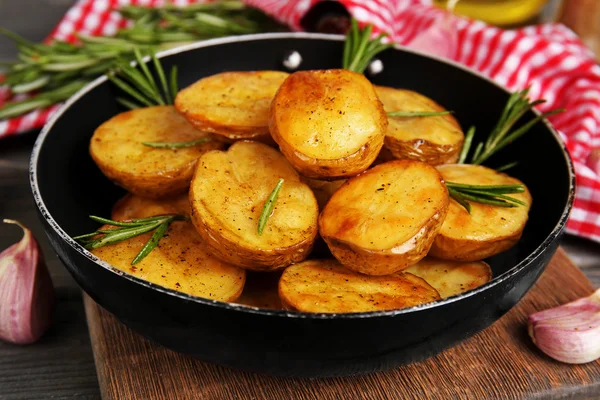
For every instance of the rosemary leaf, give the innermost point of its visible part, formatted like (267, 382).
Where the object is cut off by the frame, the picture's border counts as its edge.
(507, 166)
(359, 49)
(464, 152)
(128, 104)
(173, 80)
(411, 114)
(268, 208)
(161, 77)
(130, 91)
(176, 145)
(111, 222)
(153, 242)
(120, 235)
(459, 199)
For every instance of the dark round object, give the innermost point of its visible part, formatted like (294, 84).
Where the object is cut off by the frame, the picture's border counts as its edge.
(68, 187)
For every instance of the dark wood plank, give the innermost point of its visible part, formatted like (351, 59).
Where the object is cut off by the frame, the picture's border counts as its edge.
(61, 364)
(499, 363)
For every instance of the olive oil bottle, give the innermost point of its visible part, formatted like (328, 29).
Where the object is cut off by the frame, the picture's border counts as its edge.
(498, 12)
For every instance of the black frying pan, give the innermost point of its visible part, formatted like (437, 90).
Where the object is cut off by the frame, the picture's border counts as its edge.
(67, 187)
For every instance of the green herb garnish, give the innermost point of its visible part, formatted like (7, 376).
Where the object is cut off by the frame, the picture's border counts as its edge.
(141, 85)
(503, 133)
(411, 114)
(268, 208)
(45, 69)
(176, 145)
(494, 195)
(127, 230)
(359, 49)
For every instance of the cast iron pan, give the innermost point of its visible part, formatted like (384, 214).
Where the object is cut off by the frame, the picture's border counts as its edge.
(67, 187)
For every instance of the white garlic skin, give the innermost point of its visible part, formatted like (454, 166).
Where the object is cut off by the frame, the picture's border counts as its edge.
(569, 333)
(26, 293)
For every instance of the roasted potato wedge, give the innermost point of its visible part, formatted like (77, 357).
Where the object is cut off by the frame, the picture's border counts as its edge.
(180, 261)
(260, 290)
(488, 230)
(434, 140)
(228, 193)
(450, 278)
(323, 190)
(385, 220)
(328, 123)
(232, 105)
(116, 147)
(325, 286)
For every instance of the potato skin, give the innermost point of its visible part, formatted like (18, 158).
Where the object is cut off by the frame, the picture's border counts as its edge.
(386, 219)
(116, 148)
(231, 105)
(180, 261)
(325, 286)
(323, 190)
(450, 278)
(329, 124)
(228, 194)
(488, 230)
(419, 138)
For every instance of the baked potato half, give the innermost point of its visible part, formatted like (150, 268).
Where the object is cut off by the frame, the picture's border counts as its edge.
(385, 220)
(323, 190)
(487, 230)
(450, 278)
(228, 193)
(232, 105)
(118, 150)
(260, 290)
(180, 261)
(434, 140)
(328, 123)
(325, 286)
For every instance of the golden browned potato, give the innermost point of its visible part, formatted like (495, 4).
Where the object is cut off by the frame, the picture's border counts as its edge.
(488, 230)
(328, 123)
(180, 261)
(325, 286)
(117, 149)
(434, 140)
(450, 278)
(385, 219)
(323, 190)
(261, 290)
(228, 193)
(233, 105)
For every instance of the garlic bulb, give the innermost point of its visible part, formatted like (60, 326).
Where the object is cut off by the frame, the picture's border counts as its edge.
(569, 333)
(26, 291)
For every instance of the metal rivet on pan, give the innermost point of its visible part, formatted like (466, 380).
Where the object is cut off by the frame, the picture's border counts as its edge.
(292, 60)
(375, 67)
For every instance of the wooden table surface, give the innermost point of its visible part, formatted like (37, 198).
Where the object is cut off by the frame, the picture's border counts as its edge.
(61, 365)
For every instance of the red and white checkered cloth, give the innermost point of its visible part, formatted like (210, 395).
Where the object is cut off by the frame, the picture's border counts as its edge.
(549, 58)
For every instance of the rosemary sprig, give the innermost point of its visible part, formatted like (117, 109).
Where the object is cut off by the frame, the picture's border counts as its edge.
(359, 49)
(43, 70)
(141, 84)
(176, 145)
(268, 208)
(128, 229)
(485, 194)
(503, 133)
(411, 114)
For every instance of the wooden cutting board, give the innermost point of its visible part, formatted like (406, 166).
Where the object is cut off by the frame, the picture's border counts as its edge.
(498, 363)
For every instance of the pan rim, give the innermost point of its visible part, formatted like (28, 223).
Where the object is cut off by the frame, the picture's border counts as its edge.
(33, 179)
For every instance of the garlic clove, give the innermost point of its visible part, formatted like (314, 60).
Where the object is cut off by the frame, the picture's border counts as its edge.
(26, 292)
(569, 333)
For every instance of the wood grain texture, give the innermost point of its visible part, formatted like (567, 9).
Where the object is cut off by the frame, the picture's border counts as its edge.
(498, 363)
